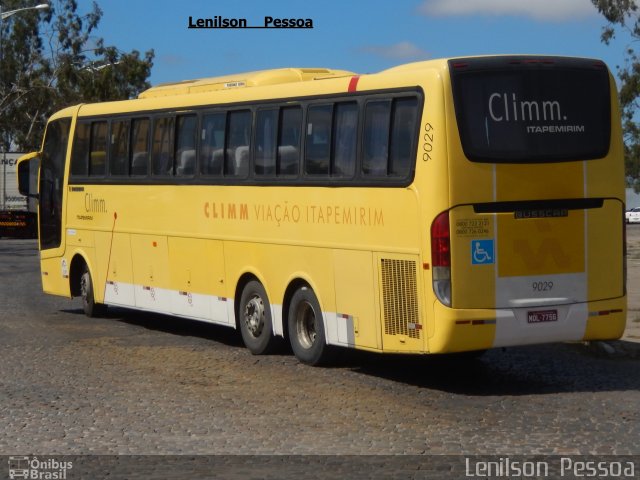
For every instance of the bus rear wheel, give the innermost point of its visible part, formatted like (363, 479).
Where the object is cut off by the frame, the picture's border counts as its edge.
(306, 329)
(256, 325)
(89, 305)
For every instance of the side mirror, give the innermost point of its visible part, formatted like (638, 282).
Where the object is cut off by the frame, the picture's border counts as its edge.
(26, 174)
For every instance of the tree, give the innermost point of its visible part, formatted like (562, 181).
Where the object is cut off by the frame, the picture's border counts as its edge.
(624, 15)
(51, 60)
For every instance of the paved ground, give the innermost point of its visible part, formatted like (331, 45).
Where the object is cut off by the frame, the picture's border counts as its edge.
(147, 384)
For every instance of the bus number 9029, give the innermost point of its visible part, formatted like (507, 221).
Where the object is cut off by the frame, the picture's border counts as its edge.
(542, 286)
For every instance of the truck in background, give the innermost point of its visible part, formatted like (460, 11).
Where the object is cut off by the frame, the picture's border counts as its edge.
(17, 212)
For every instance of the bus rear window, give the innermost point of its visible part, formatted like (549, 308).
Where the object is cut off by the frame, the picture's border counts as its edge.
(531, 109)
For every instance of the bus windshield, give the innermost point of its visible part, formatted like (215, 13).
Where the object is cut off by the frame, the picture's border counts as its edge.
(531, 109)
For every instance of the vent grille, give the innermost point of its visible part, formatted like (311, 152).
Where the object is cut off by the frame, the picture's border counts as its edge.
(400, 297)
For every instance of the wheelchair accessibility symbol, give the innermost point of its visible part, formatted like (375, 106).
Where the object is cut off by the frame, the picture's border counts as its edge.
(482, 252)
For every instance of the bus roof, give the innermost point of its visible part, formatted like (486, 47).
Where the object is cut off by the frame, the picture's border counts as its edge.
(247, 79)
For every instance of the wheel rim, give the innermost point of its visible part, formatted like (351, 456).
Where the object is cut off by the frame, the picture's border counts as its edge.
(306, 325)
(254, 316)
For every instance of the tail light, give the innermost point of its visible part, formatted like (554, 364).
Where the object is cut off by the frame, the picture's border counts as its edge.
(441, 258)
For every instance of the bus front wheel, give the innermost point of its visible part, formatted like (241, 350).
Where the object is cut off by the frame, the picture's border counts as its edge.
(89, 305)
(256, 325)
(306, 328)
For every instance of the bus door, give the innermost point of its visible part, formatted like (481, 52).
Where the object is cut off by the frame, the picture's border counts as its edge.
(50, 197)
(51, 182)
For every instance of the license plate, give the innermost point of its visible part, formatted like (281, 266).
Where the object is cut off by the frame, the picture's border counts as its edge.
(541, 316)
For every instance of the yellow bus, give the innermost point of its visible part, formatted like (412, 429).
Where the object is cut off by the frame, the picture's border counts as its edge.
(441, 206)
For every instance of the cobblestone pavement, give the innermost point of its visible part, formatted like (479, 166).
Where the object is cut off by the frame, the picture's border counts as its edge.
(133, 383)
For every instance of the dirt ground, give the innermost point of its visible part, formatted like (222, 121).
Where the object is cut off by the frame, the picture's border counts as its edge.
(632, 333)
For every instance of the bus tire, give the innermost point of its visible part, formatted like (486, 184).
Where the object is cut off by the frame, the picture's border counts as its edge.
(89, 305)
(256, 325)
(306, 329)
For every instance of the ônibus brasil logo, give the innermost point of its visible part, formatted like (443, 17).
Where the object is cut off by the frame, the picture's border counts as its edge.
(34, 468)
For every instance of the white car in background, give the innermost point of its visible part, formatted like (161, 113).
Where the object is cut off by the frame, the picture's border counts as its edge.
(633, 215)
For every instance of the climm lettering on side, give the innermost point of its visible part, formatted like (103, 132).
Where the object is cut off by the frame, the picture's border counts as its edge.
(94, 204)
(292, 213)
(222, 210)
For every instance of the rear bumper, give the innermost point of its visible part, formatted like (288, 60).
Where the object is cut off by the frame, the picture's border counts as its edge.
(458, 330)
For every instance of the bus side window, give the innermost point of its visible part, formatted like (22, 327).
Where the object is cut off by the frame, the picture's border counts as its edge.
(236, 162)
(212, 143)
(289, 141)
(265, 151)
(318, 145)
(80, 152)
(345, 137)
(139, 146)
(98, 152)
(118, 154)
(403, 131)
(162, 151)
(186, 145)
(376, 138)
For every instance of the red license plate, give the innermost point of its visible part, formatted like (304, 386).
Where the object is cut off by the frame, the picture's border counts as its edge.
(541, 316)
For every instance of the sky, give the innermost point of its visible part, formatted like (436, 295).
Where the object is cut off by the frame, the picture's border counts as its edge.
(363, 36)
